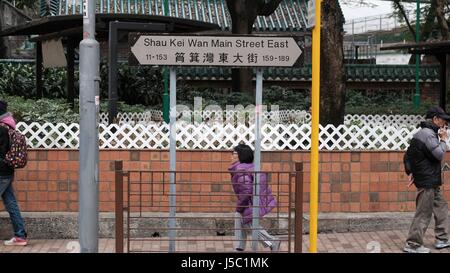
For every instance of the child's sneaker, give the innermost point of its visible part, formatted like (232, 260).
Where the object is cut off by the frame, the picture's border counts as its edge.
(15, 241)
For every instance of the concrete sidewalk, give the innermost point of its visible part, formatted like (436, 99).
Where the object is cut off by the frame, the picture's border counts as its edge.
(357, 242)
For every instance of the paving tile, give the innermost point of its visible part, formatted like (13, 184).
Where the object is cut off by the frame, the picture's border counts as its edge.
(391, 241)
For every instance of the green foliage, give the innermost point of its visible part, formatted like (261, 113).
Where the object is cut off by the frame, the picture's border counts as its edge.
(54, 110)
(54, 83)
(42, 110)
(141, 88)
(354, 99)
(210, 96)
(286, 99)
(383, 102)
(136, 85)
(123, 107)
(236, 98)
(18, 79)
(274, 95)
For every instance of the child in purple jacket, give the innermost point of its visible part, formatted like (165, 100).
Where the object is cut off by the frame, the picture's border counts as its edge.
(242, 183)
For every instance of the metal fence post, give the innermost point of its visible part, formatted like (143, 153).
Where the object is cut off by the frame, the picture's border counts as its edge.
(298, 207)
(118, 168)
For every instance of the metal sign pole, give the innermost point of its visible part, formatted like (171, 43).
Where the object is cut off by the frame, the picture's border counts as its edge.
(257, 159)
(88, 147)
(173, 159)
(417, 94)
(165, 76)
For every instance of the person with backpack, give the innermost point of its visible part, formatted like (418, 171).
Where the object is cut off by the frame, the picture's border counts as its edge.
(242, 178)
(7, 123)
(423, 164)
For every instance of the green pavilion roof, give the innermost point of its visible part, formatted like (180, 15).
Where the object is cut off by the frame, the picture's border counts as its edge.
(289, 16)
(354, 73)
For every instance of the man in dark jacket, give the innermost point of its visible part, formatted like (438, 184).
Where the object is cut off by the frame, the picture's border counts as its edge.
(6, 179)
(423, 163)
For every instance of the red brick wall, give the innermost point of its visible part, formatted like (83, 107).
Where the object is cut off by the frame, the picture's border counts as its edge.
(349, 181)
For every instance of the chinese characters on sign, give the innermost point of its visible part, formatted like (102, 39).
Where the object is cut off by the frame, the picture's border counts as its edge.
(215, 51)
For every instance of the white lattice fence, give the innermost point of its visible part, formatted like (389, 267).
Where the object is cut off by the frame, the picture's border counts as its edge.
(247, 117)
(133, 118)
(394, 120)
(218, 136)
(49, 135)
(155, 116)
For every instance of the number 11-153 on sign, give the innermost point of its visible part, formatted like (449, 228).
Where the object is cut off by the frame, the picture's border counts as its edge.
(158, 57)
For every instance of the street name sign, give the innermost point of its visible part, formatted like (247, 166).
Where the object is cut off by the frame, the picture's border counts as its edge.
(234, 51)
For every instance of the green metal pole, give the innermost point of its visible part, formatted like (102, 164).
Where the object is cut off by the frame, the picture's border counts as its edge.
(166, 78)
(166, 96)
(417, 94)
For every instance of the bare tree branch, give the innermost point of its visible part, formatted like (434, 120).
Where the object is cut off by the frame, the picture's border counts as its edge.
(399, 6)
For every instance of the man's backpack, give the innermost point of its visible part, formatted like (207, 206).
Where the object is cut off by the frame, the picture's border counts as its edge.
(17, 153)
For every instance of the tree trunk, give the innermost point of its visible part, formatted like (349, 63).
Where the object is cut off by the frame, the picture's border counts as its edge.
(242, 77)
(2, 39)
(427, 27)
(243, 15)
(441, 19)
(332, 71)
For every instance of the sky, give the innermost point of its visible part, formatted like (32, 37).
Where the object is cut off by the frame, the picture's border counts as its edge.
(382, 7)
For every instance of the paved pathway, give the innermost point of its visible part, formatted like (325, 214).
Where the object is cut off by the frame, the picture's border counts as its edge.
(360, 242)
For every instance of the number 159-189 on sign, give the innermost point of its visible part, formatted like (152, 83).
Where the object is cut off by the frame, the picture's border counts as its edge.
(271, 58)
